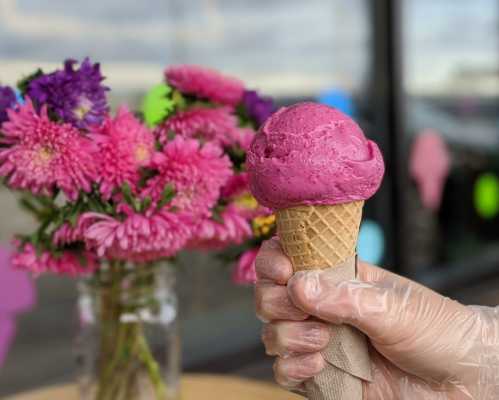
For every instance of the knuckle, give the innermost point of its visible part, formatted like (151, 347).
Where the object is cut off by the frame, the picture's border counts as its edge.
(263, 262)
(262, 301)
(268, 338)
(283, 340)
(280, 375)
(316, 363)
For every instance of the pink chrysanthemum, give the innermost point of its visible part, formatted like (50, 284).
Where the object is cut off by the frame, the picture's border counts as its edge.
(40, 155)
(244, 272)
(242, 137)
(67, 263)
(237, 185)
(196, 172)
(206, 124)
(67, 234)
(205, 83)
(211, 234)
(125, 145)
(138, 237)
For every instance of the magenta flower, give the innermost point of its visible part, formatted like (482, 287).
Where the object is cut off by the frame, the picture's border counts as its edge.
(137, 237)
(68, 263)
(244, 272)
(242, 137)
(68, 234)
(205, 83)
(237, 185)
(207, 124)
(125, 145)
(40, 155)
(17, 295)
(196, 172)
(231, 228)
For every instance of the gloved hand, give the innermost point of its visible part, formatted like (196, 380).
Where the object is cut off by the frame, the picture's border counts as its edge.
(423, 346)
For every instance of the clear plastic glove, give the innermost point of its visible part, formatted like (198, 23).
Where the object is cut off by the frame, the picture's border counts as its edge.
(423, 346)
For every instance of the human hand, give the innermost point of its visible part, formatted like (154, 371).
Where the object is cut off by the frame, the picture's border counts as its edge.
(423, 346)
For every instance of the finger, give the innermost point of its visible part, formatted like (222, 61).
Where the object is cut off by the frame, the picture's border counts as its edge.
(387, 311)
(370, 273)
(367, 306)
(285, 338)
(272, 302)
(272, 264)
(291, 372)
(373, 274)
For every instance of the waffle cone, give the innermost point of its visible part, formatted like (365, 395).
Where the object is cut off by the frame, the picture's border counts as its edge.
(319, 237)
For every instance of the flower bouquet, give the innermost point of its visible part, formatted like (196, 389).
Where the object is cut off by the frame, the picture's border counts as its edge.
(115, 195)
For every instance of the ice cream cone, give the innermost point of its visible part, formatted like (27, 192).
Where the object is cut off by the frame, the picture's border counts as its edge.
(318, 237)
(314, 166)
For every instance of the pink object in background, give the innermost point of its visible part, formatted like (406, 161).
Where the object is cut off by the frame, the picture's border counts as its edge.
(244, 272)
(429, 166)
(16, 295)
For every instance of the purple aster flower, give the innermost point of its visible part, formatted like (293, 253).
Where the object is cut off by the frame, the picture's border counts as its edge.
(74, 95)
(7, 100)
(258, 108)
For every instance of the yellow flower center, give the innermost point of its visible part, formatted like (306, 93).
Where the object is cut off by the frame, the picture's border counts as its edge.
(83, 108)
(246, 201)
(142, 153)
(44, 156)
(263, 225)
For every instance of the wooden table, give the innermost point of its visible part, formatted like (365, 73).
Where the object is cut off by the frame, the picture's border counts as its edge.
(194, 387)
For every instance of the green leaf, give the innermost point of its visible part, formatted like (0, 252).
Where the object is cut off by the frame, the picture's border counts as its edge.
(45, 201)
(171, 135)
(95, 205)
(146, 203)
(179, 100)
(157, 104)
(217, 215)
(29, 206)
(23, 84)
(167, 195)
(127, 193)
(109, 208)
(73, 218)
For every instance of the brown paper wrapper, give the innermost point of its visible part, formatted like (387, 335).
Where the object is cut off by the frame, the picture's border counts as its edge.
(322, 237)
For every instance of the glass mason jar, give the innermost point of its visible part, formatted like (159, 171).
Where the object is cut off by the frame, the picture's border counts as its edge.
(128, 346)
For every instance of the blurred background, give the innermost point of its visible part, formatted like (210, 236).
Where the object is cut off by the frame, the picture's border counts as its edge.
(421, 76)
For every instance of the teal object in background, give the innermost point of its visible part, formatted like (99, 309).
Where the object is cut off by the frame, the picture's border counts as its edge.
(19, 97)
(338, 99)
(371, 243)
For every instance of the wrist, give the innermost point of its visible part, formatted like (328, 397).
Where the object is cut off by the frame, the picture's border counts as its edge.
(483, 355)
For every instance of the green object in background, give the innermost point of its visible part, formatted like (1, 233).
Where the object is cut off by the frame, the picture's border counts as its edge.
(157, 104)
(486, 195)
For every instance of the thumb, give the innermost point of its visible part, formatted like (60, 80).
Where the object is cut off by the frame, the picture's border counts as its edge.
(372, 307)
